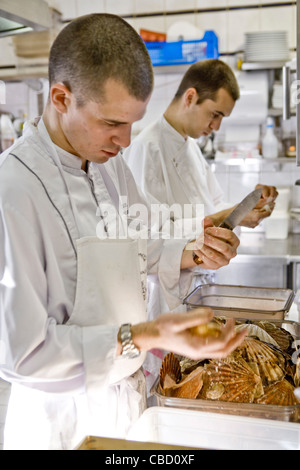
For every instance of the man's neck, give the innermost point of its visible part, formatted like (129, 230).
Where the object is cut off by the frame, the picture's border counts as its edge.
(57, 135)
(173, 116)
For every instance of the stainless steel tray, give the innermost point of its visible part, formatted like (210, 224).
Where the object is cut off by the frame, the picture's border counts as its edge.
(242, 301)
(275, 412)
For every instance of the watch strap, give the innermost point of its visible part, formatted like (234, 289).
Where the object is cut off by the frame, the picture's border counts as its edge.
(129, 349)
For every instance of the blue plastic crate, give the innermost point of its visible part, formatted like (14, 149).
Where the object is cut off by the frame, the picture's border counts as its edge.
(184, 52)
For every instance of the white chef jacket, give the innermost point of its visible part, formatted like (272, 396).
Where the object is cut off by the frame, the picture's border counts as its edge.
(38, 275)
(170, 169)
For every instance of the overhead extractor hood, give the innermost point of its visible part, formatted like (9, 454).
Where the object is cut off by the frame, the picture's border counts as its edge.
(22, 16)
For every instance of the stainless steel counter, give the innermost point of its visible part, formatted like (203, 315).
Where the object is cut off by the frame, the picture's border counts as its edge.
(256, 245)
(264, 262)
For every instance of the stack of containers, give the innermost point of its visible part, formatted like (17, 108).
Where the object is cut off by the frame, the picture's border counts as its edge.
(277, 225)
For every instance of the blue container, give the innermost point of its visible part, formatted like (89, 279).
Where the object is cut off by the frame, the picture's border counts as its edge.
(184, 52)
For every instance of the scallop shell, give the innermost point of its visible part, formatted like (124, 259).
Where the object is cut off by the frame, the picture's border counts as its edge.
(280, 393)
(283, 338)
(188, 365)
(270, 361)
(258, 332)
(230, 381)
(296, 376)
(189, 387)
(170, 372)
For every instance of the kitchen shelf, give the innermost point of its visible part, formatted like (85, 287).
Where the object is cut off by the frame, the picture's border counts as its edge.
(275, 64)
(18, 73)
(277, 112)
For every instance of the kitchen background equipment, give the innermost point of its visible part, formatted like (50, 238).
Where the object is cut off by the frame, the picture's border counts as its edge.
(242, 301)
(266, 46)
(278, 223)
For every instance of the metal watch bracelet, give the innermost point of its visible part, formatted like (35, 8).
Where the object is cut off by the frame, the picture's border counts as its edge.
(129, 349)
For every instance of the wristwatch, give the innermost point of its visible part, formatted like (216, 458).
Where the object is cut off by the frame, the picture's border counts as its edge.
(129, 349)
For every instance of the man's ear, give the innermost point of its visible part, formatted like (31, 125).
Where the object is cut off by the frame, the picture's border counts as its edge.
(190, 96)
(60, 97)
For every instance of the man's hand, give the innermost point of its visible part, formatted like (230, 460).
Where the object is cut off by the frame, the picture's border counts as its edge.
(264, 207)
(173, 332)
(216, 246)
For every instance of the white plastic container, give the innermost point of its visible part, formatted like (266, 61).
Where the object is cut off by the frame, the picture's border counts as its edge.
(277, 225)
(282, 202)
(214, 431)
(270, 142)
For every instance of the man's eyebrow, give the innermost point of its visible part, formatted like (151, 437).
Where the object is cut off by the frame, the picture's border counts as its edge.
(112, 121)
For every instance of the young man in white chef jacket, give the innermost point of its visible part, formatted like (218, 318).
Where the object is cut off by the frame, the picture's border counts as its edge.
(73, 320)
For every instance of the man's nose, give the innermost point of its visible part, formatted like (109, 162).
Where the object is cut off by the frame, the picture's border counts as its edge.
(123, 137)
(216, 123)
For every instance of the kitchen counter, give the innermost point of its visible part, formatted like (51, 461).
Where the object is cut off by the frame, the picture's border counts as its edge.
(256, 244)
(264, 262)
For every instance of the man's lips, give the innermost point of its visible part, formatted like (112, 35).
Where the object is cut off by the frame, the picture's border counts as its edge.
(110, 153)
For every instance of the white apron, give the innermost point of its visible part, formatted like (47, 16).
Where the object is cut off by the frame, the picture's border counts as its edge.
(111, 273)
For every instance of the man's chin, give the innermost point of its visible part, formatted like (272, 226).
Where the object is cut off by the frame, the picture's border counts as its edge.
(104, 157)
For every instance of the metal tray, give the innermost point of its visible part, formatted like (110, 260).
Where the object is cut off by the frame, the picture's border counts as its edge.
(242, 301)
(254, 410)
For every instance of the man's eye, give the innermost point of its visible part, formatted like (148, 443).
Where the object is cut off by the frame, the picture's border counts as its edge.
(111, 124)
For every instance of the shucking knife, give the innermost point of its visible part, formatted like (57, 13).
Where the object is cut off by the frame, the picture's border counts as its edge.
(238, 213)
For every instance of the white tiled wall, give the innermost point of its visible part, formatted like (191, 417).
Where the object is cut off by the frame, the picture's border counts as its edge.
(230, 25)
(238, 180)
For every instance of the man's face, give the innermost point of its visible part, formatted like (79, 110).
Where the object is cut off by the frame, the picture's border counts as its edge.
(204, 118)
(97, 131)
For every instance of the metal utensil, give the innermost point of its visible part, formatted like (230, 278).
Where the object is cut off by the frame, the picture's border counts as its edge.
(242, 209)
(237, 215)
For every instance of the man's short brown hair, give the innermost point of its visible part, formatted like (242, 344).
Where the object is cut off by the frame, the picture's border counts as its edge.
(207, 77)
(94, 48)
